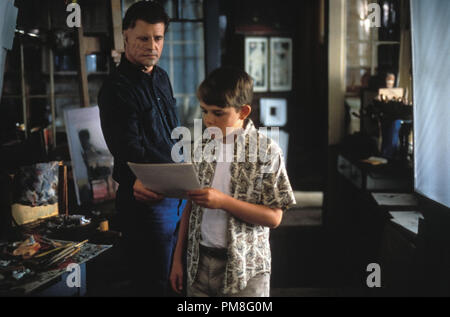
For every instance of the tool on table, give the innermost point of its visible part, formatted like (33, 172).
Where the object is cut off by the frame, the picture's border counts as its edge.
(63, 189)
(27, 248)
(66, 253)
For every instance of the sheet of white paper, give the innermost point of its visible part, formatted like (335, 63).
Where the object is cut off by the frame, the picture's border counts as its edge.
(3, 19)
(2, 67)
(394, 199)
(405, 214)
(407, 219)
(8, 16)
(170, 180)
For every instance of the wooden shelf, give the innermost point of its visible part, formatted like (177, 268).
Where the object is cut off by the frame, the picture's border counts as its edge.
(39, 96)
(75, 73)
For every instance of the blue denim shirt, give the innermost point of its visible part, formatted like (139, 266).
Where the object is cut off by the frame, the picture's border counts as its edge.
(138, 114)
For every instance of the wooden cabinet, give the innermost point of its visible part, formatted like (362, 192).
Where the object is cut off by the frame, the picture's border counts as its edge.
(356, 223)
(362, 232)
(375, 178)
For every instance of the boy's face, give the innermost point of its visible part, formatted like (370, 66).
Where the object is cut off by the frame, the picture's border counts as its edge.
(223, 118)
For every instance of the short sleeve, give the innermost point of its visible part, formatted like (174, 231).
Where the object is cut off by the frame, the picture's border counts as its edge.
(276, 188)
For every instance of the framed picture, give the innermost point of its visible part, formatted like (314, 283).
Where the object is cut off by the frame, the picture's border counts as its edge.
(273, 112)
(280, 64)
(256, 62)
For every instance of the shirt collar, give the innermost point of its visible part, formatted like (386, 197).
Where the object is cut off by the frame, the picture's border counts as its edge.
(134, 71)
(249, 126)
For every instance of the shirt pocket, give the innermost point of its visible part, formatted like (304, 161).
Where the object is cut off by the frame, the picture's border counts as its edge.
(173, 113)
(257, 186)
(151, 122)
(248, 184)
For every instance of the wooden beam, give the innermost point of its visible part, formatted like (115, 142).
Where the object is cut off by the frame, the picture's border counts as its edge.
(91, 45)
(51, 65)
(25, 110)
(116, 8)
(82, 72)
(336, 71)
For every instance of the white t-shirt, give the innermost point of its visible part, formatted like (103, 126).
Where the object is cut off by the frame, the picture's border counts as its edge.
(215, 221)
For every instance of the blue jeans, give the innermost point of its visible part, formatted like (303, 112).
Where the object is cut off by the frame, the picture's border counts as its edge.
(149, 238)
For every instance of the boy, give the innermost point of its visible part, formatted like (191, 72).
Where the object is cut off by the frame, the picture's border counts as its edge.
(226, 223)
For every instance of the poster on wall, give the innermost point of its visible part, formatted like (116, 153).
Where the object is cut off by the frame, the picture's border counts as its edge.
(92, 163)
(280, 64)
(256, 65)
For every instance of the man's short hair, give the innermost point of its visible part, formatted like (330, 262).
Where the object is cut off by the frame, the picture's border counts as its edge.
(148, 11)
(226, 87)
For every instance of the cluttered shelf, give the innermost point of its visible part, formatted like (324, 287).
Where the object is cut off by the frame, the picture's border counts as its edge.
(379, 156)
(41, 238)
(378, 165)
(374, 174)
(45, 214)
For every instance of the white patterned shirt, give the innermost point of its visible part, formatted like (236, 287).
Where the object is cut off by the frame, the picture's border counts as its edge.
(215, 221)
(258, 179)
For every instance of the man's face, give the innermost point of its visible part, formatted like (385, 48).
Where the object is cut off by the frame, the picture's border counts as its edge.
(144, 44)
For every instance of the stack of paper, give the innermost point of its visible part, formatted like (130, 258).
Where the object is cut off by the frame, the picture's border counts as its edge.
(395, 199)
(407, 219)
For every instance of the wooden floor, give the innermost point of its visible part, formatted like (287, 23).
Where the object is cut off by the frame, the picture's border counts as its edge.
(302, 258)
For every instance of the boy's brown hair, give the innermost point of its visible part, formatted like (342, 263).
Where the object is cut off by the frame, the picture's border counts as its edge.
(226, 87)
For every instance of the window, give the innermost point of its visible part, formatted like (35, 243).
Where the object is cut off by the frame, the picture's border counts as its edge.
(371, 49)
(183, 56)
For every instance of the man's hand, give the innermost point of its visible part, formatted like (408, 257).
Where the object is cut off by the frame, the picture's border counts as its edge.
(208, 198)
(143, 194)
(176, 276)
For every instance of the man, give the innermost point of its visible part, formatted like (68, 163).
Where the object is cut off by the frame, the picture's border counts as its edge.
(137, 111)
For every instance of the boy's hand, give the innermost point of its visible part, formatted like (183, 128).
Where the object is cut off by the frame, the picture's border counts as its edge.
(143, 194)
(207, 197)
(176, 276)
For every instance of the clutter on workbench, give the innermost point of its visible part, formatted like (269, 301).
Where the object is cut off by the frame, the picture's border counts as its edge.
(22, 260)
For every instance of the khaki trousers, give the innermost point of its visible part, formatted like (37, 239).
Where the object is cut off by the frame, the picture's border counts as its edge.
(210, 275)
